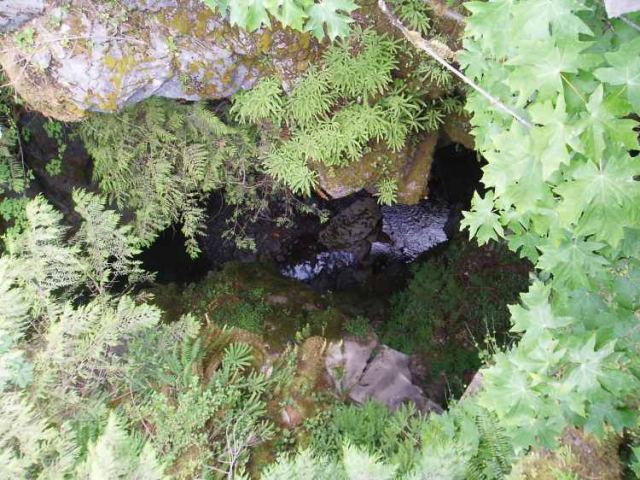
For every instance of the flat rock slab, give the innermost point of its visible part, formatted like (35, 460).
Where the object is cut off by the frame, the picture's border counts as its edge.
(369, 371)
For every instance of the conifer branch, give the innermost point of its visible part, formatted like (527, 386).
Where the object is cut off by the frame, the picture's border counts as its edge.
(441, 53)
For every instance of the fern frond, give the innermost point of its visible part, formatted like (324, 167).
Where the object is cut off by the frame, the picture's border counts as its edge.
(311, 98)
(262, 102)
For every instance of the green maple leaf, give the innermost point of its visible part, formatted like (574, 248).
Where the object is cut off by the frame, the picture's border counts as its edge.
(529, 193)
(482, 222)
(602, 197)
(536, 19)
(248, 14)
(624, 70)
(542, 357)
(601, 124)
(537, 315)
(588, 370)
(510, 160)
(481, 24)
(550, 140)
(332, 14)
(574, 263)
(541, 66)
(291, 14)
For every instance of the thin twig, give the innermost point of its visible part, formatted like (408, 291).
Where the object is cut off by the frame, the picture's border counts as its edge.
(445, 12)
(439, 53)
(630, 23)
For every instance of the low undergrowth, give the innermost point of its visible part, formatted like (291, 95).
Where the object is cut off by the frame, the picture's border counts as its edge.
(454, 309)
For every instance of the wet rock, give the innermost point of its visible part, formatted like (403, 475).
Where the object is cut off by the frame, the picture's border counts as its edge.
(14, 13)
(369, 371)
(412, 229)
(409, 168)
(353, 228)
(99, 57)
(76, 166)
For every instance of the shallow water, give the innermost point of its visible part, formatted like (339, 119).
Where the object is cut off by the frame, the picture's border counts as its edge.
(411, 231)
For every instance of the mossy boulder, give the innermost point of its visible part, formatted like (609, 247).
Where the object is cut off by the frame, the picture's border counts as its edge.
(67, 60)
(409, 167)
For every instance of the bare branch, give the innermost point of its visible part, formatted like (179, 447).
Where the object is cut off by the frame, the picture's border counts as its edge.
(630, 23)
(440, 53)
(445, 12)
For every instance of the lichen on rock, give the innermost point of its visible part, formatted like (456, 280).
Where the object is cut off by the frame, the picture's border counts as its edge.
(92, 56)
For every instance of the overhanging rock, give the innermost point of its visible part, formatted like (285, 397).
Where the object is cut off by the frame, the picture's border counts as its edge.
(91, 56)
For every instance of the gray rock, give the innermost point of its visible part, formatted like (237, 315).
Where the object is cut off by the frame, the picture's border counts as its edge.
(14, 13)
(616, 8)
(346, 362)
(92, 56)
(367, 371)
(353, 228)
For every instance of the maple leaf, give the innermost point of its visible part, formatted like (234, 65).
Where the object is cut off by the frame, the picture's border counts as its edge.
(588, 360)
(624, 70)
(549, 141)
(536, 315)
(538, 19)
(332, 14)
(601, 197)
(541, 66)
(248, 14)
(482, 222)
(574, 263)
(482, 21)
(291, 13)
(601, 126)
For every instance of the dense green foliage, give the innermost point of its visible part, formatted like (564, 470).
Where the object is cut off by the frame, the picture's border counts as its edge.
(161, 160)
(563, 192)
(454, 307)
(93, 384)
(198, 399)
(337, 111)
(14, 175)
(330, 17)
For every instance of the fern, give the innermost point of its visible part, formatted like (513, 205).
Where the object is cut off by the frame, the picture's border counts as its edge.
(361, 65)
(414, 14)
(387, 191)
(109, 247)
(312, 98)
(494, 455)
(161, 160)
(237, 356)
(430, 71)
(116, 454)
(29, 446)
(263, 101)
(335, 112)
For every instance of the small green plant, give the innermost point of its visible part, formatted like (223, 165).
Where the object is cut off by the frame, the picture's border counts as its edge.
(25, 39)
(337, 110)
(387, 193)
(55, 131)
(358, 327)
(414, 14)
